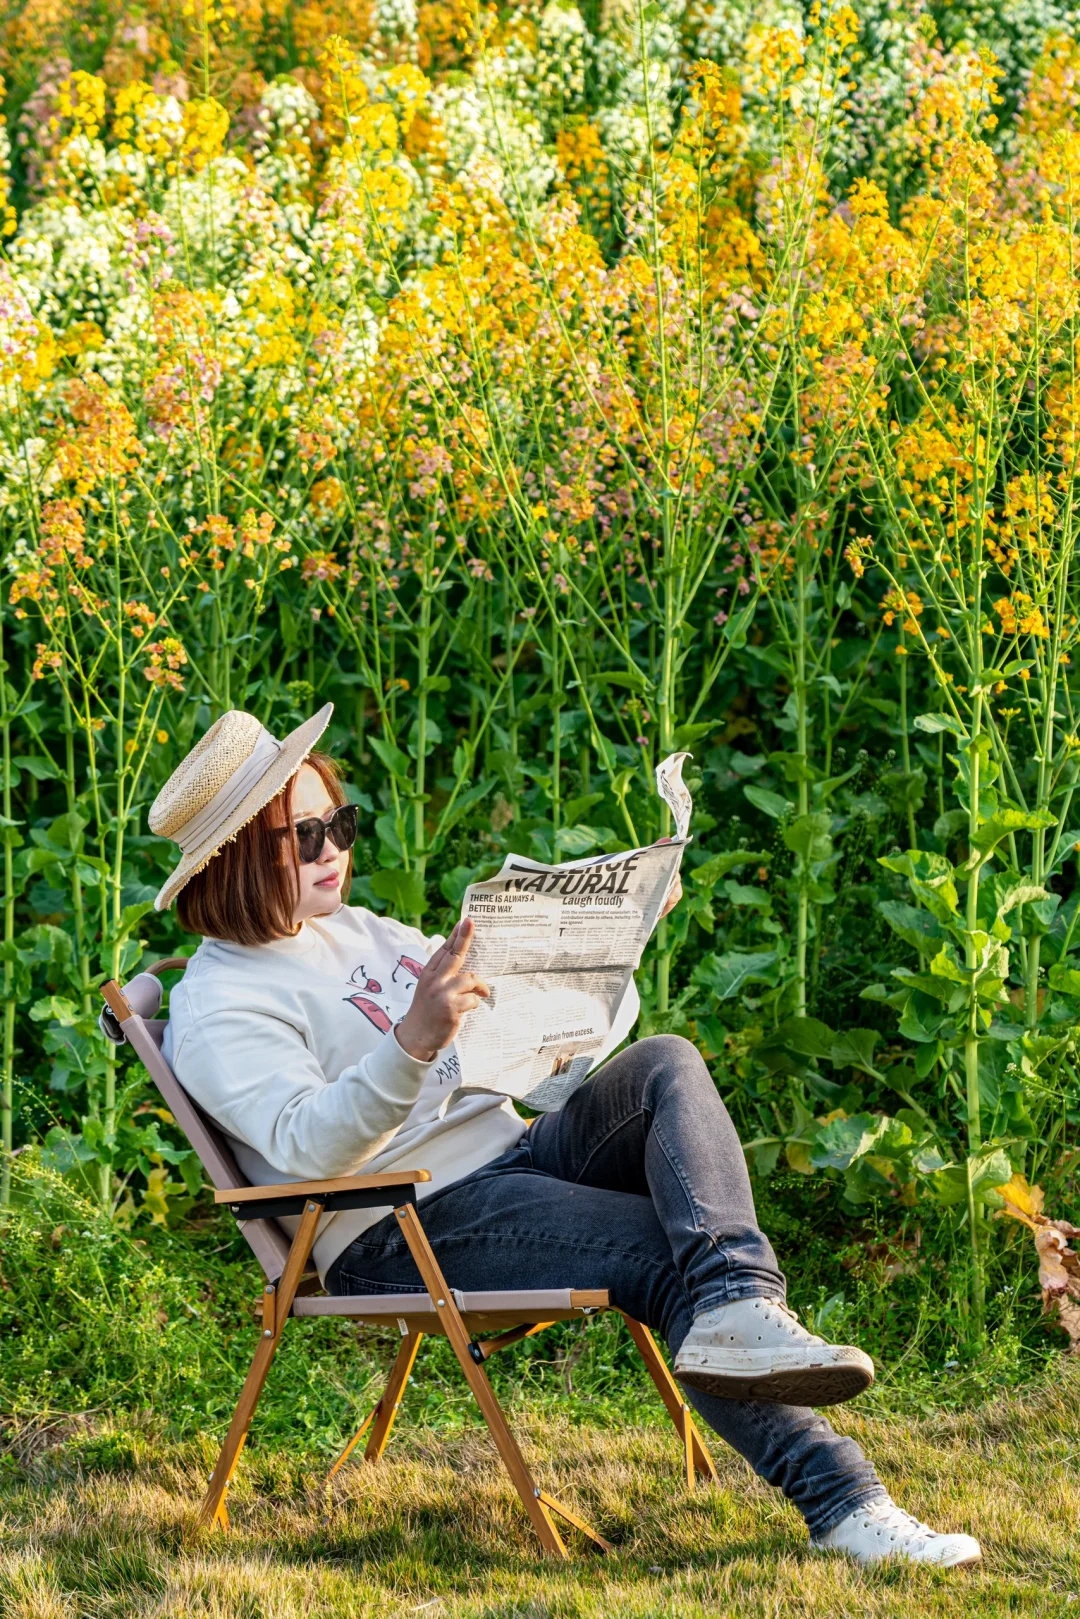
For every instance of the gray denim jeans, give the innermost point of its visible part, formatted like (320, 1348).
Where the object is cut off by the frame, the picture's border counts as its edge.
(637, 1185)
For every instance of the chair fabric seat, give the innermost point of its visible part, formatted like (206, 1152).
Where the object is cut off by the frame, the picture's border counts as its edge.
(526, 1302)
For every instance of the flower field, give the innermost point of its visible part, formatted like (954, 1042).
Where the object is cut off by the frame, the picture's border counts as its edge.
(551, 388)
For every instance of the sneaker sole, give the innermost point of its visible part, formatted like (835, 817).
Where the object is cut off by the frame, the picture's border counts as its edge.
(963, 1562)
(895, 1557)
(803, 1385)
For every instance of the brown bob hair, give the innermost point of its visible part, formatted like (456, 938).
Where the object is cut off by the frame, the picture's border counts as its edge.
(248, 892)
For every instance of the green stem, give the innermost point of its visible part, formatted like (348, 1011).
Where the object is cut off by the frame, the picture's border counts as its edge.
(802, 921)
(423, 649)
(905, 746)
(7, 1073)
(78, 909)
(973, 1099)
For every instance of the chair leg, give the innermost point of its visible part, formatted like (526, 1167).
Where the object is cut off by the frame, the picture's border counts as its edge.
(213, 1511)
(385, 1409)
(698, 1459)
(538, 1506)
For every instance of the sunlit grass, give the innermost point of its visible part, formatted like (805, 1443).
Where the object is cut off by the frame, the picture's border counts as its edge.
(104, 1524)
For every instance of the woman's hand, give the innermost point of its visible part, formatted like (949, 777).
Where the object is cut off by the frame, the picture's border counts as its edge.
(674, 897)
(676, 888)
(443, 994)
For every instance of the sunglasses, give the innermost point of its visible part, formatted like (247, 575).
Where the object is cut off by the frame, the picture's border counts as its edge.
(311, 835)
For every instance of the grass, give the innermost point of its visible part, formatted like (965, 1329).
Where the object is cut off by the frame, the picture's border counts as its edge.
(97, 1521)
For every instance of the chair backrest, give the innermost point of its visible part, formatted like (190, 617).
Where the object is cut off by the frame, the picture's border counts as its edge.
(266, 1238)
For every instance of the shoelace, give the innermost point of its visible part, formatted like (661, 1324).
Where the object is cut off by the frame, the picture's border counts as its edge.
(892, 1517)
(787, 1310)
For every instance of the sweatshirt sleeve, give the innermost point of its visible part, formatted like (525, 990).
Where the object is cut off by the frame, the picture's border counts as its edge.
(259, 1081)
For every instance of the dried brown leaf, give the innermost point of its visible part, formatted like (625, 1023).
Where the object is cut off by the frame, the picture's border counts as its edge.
(1069, 1317)
(1054, 1254)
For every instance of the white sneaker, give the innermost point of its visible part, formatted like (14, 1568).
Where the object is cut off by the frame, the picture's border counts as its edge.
(756, 1350)
(882, 1529)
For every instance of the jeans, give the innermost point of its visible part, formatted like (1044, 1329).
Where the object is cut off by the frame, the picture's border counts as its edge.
(638, 1185)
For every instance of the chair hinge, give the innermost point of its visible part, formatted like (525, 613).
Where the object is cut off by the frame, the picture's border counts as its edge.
(477, 1354)
(267, 1309)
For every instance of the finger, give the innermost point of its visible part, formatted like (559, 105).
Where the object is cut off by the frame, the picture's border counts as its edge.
(469, 984)
(466, 1003)
(441, 958)
(457, 945)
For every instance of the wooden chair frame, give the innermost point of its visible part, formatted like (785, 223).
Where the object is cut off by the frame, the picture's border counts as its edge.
(477, 1325)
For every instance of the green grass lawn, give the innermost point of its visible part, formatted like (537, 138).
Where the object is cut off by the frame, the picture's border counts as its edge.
(99, 1520)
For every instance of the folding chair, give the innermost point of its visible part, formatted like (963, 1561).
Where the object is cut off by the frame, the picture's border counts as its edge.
(477, 1324)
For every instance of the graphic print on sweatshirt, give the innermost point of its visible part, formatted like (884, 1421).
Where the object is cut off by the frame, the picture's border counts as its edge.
(403, 978)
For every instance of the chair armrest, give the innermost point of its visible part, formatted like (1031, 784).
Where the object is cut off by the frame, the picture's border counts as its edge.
(320, 1189)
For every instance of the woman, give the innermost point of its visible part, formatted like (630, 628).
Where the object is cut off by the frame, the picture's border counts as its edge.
(320, 1038)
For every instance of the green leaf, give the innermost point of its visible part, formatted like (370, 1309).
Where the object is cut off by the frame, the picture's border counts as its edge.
(936, 723)
(839, 1143)
(55, 1009)
(989, 1169)
(931, 878)
(132, 915)
(808, 836)
(793, 767)
(63, 1151)
(1065, 978)
(749, 764)
(404, 890)
(463, 804)
(904, 791)
(709, 873)
(575, 808)
(926, 982)
(66, 832)
(770, 803)
(40, 769)
(395, 761)
(745, 894)
(687, 735)
(631, 679)
(805, 1036)
(725, 975)
(432, 737)
(945, 965)
(1020, 892)
(1004, 821)
(737, 625)
(575, 840)
(915, 927)
(854, 1048)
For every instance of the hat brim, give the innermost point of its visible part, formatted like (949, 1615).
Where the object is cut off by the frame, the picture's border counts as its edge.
(294, 750)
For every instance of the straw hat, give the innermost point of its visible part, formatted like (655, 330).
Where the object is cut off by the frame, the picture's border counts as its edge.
(228, 777)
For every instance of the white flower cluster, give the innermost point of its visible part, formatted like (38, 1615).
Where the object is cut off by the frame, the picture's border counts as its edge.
(494, 143)
(395, 20)
(561, 56)
(281, 146)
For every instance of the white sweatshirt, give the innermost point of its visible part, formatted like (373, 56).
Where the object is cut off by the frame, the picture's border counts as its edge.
(289, 1047)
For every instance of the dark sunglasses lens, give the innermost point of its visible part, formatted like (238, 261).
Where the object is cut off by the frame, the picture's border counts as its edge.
(342, 826)
(310, 837)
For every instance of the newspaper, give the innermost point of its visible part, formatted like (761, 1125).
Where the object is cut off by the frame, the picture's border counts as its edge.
(558, 947)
